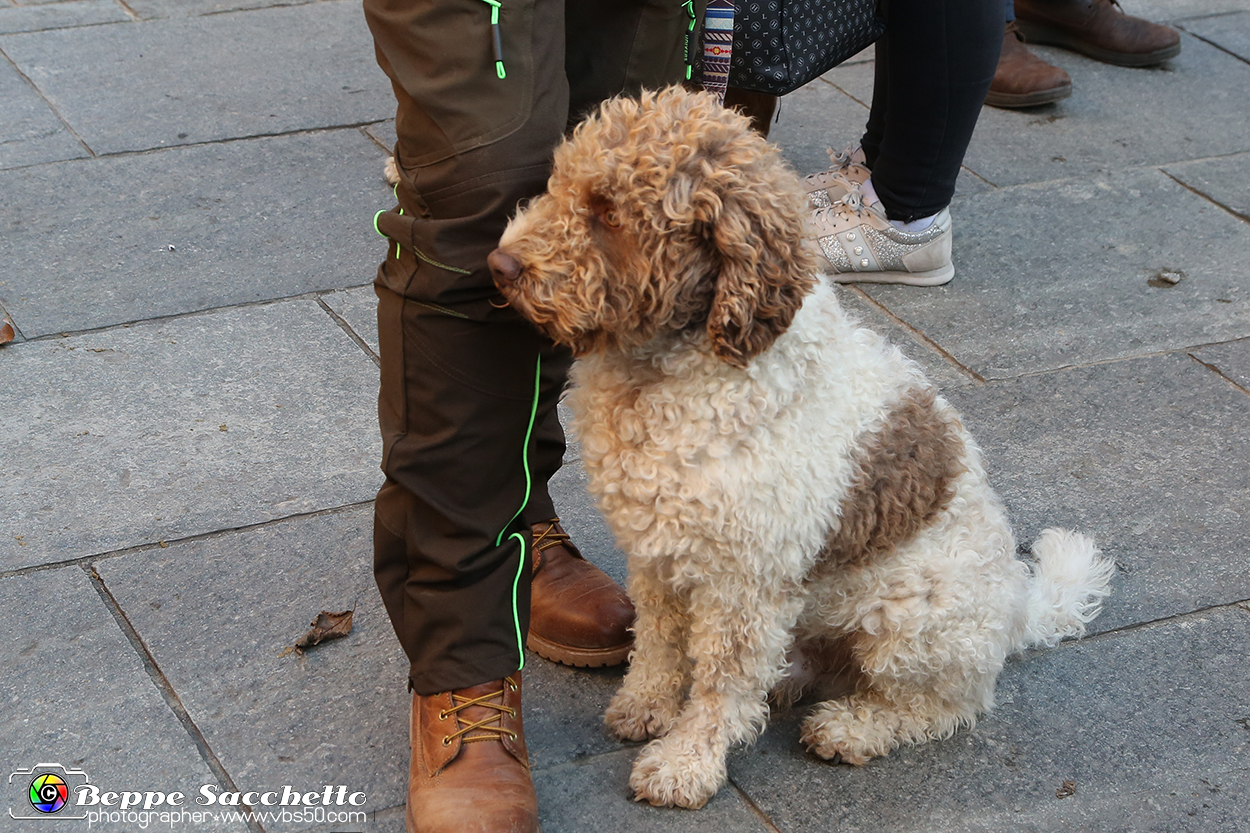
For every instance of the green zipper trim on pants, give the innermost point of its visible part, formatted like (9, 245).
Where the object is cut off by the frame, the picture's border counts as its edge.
(525, 463)
(516, 614)
(496, 37)
(689, 7)
(420, 254)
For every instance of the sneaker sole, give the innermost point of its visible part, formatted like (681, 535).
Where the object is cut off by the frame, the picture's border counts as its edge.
(934, 277)
(1040, 33)
(578, 657)
(1012, 101)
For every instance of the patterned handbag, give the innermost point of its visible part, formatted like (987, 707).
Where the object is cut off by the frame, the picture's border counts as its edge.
(780, 45)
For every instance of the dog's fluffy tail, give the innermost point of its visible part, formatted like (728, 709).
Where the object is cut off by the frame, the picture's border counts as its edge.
(1071, 578)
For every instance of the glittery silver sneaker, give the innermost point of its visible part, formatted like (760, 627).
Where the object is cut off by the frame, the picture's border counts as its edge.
(859, 245)
(824, 188)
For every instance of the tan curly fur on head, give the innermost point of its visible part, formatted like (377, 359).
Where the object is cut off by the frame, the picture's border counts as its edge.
(662, 215)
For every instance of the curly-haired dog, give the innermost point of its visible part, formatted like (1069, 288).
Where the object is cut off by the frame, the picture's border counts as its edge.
(789, 490)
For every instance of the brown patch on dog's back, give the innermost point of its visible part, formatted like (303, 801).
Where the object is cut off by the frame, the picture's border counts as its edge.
(904, 476)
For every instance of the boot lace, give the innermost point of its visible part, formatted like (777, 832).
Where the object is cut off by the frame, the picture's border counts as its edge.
(490, 732)
(550, 537)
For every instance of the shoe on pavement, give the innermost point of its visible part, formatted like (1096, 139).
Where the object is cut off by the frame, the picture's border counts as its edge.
(578, 614)
(859, 245)
(824, 188)
(1098, 29)
(470, 769)
(1022, 79)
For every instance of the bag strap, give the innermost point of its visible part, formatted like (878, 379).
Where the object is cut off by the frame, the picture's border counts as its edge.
(718, 41)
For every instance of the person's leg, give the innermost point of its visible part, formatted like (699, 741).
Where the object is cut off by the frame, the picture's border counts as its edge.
(934, 66)
(617, 47)
(457, 404)
(458, 375)
(468, 393)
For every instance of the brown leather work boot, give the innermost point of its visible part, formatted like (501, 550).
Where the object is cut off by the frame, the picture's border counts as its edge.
(1099, 29)
(1022, 79)
(470, 771)
(578, 615)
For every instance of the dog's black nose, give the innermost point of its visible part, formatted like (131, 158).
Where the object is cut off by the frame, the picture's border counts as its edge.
(504, 268)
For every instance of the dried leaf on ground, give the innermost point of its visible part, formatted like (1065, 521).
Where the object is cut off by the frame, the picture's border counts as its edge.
(6, 333)
(1066, 789)
(325, 627)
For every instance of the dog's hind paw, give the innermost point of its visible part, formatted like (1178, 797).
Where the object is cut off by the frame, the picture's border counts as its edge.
(669, 774)
(836, 732)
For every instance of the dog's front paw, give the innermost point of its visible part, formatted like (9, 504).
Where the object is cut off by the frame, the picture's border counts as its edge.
(840, 733)
(631, 717)
(673, 773)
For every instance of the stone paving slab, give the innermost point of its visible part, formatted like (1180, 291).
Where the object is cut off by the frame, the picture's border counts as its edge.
(34, 18)
(247, 221)
(564, 710)
(358, 307)
(150, 9)
(1147, 724)
(941, 370)
(1225, 181)
(1057, 274)
(218, 614)
(30, 132)
(594, 795)
(1230, 32)
(73, 687)
(383, 133)
(137, 86)
(812, 119)
(175, 428)
(1166, 11)
(1232, 360)
(1117, 117)
(1148, 456)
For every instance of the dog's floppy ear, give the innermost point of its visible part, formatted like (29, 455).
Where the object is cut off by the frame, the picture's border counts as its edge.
(764, 269)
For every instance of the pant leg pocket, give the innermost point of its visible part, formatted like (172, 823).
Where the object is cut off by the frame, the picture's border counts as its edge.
(466, 68)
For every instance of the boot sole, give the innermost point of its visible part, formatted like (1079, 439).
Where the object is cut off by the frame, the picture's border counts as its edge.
(1012, 101)
(578, 657)
(1041, 33)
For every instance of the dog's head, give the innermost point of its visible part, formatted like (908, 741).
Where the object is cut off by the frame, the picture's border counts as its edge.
(661, 215)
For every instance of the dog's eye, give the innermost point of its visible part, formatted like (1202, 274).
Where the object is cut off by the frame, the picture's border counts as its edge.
(610, 218)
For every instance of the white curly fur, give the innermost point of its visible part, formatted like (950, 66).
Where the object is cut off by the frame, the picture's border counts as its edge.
(723, 483)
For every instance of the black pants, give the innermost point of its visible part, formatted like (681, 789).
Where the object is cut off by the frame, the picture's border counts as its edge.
(934, 66)
(467, 405)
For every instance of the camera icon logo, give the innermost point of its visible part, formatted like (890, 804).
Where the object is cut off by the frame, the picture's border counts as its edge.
(48, 793)
(44, 791)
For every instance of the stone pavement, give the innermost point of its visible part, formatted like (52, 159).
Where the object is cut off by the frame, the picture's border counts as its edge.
(188, 449)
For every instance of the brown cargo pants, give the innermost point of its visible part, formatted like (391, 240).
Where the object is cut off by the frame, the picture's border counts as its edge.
(468, 397)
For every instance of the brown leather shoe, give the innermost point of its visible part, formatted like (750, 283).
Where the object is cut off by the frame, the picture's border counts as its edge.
(470, 771)
(1022, 79)
(1099, 29)
(578, 615)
